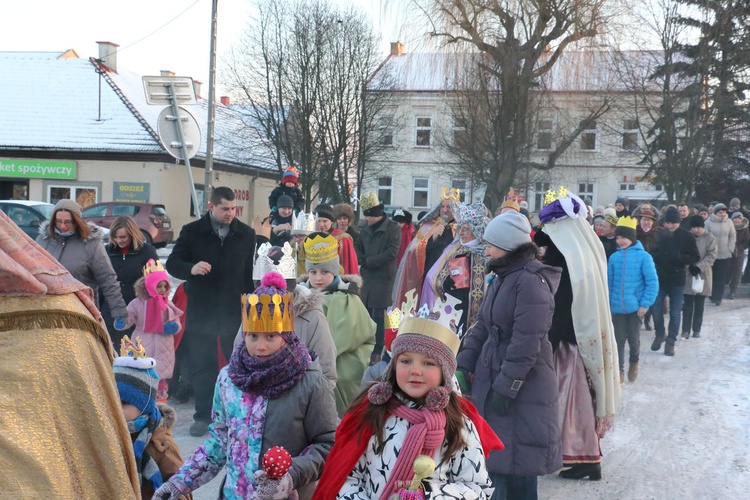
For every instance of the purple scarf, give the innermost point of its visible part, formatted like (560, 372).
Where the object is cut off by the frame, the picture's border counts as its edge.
(269, 377)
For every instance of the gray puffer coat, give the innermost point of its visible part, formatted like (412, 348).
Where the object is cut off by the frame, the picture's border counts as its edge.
(509, 352)
(88, 262)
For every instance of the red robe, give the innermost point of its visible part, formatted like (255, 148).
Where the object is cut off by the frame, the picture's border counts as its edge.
(351, 444)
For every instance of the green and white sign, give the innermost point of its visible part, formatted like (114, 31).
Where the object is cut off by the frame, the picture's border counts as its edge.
(37, 169)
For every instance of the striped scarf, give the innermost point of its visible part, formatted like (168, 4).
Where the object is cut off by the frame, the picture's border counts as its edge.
(147, 466)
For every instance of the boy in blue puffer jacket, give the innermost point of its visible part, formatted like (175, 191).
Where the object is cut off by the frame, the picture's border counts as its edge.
(633, 286)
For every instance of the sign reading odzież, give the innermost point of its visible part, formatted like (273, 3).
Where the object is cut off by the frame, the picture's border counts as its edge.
(131, 191)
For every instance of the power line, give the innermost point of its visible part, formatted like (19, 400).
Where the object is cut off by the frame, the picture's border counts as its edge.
(159, 28)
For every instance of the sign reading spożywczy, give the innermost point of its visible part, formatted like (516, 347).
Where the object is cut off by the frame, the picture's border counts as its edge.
(37, 169)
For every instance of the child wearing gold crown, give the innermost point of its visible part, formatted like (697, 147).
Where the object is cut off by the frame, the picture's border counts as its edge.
(157, 455)
(271, 394)
(413, 411)
(633, 287)
(156, 320)
(352, 329)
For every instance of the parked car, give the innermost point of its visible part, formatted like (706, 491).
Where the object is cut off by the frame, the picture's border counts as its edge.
(152, 219)
(28, 215)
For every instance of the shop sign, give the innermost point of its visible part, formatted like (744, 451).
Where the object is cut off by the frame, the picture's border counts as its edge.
(131, 191)
(37, 169)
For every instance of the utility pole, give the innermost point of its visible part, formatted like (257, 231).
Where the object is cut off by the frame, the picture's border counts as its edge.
(211, 112)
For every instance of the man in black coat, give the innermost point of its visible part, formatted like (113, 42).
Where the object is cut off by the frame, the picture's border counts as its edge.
(673, 249)
(215, 256)
(377, 249)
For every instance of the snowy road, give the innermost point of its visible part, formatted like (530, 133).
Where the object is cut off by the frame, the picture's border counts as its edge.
(683, 429)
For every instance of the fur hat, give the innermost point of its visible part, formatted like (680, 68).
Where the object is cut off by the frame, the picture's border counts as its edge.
(285, 201)
(136, 377)
(322, 252)
(325, 211)
(508, 231)
(671, 215)
(68, 205)
(290, 175)
(401, 215)
(343, 210)
(697, 221)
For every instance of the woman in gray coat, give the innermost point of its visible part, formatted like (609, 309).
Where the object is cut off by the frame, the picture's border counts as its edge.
(507, 350)
(78, 246)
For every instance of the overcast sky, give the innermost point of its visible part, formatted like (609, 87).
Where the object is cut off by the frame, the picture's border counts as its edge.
(181, 46)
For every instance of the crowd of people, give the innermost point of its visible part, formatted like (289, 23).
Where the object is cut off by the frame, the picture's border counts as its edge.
(461, 356)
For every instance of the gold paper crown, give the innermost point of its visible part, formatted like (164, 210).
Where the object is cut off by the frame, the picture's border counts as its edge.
(132, 348)
(627, 222)
(451, 194)
(555, 195)
(281, 320)
(368, 201)
(393, 318)
(152, 266)
(320, 249)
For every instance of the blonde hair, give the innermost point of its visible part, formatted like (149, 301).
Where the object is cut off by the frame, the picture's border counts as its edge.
(128, 224)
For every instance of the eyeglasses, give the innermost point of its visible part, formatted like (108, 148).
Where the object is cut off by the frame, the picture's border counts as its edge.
(68, 222)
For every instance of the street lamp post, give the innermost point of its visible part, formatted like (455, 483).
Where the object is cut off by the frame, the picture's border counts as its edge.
(211, 111)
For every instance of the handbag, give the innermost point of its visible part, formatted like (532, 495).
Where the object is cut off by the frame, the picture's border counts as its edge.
(698, 284)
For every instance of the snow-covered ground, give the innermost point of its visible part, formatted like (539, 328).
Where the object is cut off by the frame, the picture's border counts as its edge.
(682, 431)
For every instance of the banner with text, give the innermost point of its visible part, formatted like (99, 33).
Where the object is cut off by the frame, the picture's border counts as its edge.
(37, 169)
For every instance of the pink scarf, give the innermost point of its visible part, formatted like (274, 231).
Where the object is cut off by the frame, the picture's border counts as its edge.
(424, 437)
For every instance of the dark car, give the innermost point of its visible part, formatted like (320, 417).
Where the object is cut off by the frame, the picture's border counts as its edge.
(28, 215)
(152, 219)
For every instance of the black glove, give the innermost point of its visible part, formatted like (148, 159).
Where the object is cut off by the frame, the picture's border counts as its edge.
(464, 380)
(498, 403)
(694, 270)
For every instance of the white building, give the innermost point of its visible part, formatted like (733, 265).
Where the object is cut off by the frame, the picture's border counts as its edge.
(601, 164)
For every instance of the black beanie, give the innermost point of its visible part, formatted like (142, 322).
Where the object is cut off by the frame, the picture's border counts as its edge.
(671, 215)
(626, 232)
(697, 221)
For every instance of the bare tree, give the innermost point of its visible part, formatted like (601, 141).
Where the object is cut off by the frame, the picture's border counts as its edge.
(300, 71)
(520, 41)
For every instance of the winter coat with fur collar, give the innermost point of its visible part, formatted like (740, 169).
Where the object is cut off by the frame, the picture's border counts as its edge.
(87, 260)
(164, 450)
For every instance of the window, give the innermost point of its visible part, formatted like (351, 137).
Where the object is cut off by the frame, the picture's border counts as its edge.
(424, 131)
(630, 135)
(544, 135)
(119, 210)
(199, 194)
(630, 186)
(385, 130)
(83, 195)
(97, 211)
(460, 137)
(586, 190)
(588, 135)
(385, 190)
(460, 184)
(540, 189)
(421, 197)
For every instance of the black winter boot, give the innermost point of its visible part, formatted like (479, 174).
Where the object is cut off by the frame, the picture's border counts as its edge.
(581, 471)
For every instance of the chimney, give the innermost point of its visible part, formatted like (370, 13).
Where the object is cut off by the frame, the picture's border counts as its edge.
(197, 88)
(397, 48)
(166, 72)
(225, 100)
(108, 54)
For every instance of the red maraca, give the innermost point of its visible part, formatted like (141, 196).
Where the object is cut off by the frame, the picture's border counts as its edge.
(276, 461)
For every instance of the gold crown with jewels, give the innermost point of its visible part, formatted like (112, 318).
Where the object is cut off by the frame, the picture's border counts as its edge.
(451, 194)
(369, 200)
(553, 195)
(319, 249)
(257, 316)
(153, 266)
(132, 348)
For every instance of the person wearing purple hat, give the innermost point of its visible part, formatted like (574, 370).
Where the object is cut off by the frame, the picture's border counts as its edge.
(673, 249)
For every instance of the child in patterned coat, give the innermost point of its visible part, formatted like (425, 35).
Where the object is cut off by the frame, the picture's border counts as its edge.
(272, 393)
(413, 411)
